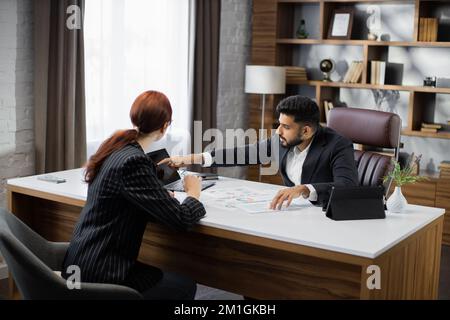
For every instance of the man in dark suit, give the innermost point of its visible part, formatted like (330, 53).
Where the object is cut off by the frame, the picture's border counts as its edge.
(311, 158)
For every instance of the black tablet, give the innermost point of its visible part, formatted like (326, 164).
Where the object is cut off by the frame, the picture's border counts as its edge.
(356, 203)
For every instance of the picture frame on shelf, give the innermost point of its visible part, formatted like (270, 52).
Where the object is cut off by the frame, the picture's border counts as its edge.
(341, 24)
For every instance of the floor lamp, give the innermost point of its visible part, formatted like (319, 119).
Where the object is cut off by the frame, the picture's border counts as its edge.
(265, 80)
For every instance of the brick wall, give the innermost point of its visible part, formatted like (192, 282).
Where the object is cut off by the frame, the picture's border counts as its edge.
(16, 91)
(235, 42)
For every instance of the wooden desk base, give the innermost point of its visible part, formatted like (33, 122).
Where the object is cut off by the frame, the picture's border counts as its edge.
(262, 268)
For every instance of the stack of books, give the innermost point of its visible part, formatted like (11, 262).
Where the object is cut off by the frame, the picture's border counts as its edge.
(444, 170)
(428, 29)
(296, 74)
(430, 127)
(377, 72)
(354, 72)
(327, 106)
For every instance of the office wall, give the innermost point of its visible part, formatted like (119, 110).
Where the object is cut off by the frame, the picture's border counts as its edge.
(16, 91)
(235, 43)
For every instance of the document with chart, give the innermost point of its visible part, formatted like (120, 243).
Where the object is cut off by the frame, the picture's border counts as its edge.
(246, 199)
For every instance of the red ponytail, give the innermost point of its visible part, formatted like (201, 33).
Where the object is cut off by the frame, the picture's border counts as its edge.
(149, 112)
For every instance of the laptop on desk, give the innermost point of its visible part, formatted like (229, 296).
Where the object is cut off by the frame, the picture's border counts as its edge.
(168, 176)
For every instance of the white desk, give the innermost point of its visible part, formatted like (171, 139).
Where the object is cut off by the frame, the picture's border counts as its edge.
(280, 254)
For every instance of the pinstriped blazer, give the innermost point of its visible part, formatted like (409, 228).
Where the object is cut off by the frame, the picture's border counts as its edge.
(123, 197)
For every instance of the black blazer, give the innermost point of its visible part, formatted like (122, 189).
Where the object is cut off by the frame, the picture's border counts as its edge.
(330, 161)
(123, 197)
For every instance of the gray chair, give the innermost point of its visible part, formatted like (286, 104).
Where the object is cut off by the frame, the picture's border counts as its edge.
(32, 261)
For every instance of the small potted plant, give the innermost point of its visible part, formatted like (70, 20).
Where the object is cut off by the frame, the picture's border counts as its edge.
(401, 176)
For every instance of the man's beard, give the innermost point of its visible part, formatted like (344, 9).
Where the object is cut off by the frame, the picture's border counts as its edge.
(297, 140)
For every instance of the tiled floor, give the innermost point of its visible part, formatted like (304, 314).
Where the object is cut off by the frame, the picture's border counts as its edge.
(207, 293)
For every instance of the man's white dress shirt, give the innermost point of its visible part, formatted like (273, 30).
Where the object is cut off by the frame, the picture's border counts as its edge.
(294, 167)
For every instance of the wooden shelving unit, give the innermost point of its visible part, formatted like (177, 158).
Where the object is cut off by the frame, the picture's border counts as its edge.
(372, 50)
(372, 86)
(365, 43)
(273, 43)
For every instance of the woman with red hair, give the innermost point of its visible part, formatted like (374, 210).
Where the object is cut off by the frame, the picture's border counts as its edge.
(123, 195)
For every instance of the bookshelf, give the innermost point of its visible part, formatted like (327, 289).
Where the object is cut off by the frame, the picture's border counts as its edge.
(274, 43)
(285, 44)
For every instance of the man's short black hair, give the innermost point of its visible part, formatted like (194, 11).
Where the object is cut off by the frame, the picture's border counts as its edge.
(303, 109)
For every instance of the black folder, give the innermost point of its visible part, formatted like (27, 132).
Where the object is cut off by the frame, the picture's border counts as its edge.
(356, 203)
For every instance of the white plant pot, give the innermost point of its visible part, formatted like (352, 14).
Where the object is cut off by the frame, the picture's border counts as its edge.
(396, 202)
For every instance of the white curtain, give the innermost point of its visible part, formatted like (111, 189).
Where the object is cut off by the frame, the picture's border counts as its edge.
(132, 46)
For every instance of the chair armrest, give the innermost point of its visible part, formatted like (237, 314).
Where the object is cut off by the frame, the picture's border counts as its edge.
(102, 291)
(55, 254)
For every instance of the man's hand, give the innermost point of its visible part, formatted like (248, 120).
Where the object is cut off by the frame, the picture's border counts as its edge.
(288, 194)
(181, 161)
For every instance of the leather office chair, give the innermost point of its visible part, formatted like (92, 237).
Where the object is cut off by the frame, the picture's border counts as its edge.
(371, 128)
(32, 261)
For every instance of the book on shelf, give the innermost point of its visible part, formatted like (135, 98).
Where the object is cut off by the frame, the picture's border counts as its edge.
(358, 72)
(354, 72)
(444, 169)
(349, 72)
(372, 72)
(434, 28)
(431, 125)
(430, 130)
(428, 29)
(421, 29)
(445, 164)
(382, 72)
(377, 72)
(296, 74)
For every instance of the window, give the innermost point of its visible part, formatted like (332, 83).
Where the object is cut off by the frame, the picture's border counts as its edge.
(132, 46)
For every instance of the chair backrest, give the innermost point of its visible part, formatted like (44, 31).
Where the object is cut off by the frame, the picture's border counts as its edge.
(30, 239)
(34, 279)
(372, 128)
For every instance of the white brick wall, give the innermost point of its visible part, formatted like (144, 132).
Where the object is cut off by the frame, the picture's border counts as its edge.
(235, 44)
(16, 91)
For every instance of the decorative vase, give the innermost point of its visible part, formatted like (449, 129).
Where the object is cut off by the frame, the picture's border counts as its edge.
(372, 36)
(396, 202)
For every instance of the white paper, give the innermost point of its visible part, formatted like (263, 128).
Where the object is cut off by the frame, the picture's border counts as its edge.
(247, 200)
(229, 198)
(260, 207)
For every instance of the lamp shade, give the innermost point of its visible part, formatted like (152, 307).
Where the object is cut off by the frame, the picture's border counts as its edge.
(265, 79)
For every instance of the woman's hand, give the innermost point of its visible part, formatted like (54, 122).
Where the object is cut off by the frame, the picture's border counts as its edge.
(181, 161)
(192, 186)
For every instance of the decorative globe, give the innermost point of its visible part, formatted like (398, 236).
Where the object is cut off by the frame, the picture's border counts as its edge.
(326, 66)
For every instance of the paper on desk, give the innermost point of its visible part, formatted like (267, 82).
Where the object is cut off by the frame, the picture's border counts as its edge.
(228, 198)
(246, 199)
(260, 207)
(239, 194)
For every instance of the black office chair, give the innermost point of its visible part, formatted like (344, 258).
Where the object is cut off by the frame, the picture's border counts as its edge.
(370, 128)
(32, 261)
